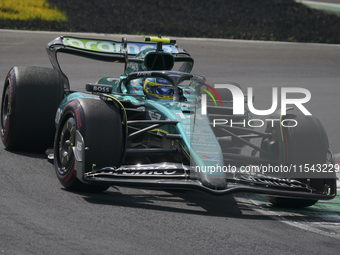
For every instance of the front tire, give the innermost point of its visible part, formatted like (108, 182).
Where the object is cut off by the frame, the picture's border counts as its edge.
(306, 143)
(100, 125)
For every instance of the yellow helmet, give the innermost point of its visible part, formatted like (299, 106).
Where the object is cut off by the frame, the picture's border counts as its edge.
(158, 88)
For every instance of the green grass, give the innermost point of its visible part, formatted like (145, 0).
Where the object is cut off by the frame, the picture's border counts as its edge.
(29, 10)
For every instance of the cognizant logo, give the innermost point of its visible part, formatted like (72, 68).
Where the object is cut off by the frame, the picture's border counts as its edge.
(238, 104)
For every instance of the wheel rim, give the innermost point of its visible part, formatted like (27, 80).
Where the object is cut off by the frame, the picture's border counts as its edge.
(66, 142)
(5, 109)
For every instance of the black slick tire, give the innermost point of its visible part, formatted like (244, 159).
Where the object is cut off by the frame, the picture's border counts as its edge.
(100, 125)
(306, 143)
(30, 99)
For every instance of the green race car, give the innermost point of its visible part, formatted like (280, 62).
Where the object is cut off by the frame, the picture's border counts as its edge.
(154, 127)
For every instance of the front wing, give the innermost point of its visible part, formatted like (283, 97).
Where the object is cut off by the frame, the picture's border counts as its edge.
(178, 176)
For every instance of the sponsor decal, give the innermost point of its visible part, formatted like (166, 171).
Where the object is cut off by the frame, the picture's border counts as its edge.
(272, 181)
(146, 73)
(151, 167)
(99, 88)
(143, 170)
(79, 125)
(146, 173)
(113, 47)
(162, 81)
(79, 146)
(135, 172)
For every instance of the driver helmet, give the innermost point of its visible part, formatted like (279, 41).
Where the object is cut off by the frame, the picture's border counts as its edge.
(158, 88)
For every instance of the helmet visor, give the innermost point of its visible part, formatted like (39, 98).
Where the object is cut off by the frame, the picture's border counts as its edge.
(165, 91)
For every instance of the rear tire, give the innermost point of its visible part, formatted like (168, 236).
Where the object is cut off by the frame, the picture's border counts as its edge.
(101, 127)
(30, 99)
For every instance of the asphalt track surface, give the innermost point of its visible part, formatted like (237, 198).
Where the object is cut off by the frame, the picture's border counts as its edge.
(37, 216)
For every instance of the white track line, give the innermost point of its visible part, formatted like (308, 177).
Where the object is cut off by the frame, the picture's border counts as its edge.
(332, 221)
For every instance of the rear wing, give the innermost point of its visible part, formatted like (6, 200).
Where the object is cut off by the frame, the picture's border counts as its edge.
(107, 50)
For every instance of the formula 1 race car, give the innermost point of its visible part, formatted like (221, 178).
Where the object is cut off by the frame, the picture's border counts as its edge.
(154, 128)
